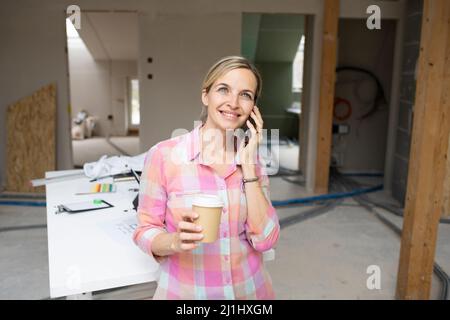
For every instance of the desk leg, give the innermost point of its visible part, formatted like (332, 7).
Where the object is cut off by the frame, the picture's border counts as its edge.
(81, 296)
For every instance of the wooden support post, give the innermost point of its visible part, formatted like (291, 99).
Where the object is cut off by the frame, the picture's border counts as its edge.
(429, 146)
(327, 79)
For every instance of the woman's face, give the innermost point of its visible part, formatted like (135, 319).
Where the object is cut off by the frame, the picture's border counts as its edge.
(230, 99)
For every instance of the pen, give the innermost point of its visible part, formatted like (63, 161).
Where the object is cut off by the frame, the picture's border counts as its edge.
(99, 178)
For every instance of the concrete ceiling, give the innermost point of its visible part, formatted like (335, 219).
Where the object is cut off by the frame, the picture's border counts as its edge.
(110, 35)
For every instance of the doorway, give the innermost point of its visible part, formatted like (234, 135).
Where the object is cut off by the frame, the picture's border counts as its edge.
(275, 44)
(104, 89)
(362, 95)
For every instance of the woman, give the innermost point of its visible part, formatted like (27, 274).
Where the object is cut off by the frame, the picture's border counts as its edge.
(176, 169)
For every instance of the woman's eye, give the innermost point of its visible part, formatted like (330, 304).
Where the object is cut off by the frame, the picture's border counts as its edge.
(223, 89)
(247, 95)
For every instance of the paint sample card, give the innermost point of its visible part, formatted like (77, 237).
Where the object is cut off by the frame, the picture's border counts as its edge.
(93, 188)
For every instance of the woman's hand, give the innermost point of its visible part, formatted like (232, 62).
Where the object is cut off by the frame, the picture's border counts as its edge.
(248, 153)
(188, 234)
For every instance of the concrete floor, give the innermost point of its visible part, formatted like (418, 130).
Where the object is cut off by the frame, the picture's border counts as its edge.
(325, 257)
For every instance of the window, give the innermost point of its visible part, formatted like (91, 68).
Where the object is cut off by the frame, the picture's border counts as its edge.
(297, 67)
(134, 102)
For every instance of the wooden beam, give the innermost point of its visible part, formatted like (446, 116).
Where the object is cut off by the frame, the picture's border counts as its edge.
(431, 129)
(327, 82)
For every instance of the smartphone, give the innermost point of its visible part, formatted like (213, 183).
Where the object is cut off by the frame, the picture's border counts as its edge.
(247, 129)
(244, 126)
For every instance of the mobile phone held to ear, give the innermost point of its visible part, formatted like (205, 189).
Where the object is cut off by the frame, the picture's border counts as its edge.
(249, 118)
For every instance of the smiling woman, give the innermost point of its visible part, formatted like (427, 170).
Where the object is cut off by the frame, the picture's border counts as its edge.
(232, 266)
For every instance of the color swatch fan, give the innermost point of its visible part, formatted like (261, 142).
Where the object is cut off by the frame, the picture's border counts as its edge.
(97, 188)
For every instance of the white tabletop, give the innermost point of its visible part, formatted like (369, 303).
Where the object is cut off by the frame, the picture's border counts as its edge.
(93, 250)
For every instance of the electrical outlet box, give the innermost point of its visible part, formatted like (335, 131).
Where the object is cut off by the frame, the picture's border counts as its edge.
(344, 129)
(341, 129)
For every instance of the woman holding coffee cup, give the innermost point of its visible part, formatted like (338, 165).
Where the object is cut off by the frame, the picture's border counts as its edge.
(204, 208)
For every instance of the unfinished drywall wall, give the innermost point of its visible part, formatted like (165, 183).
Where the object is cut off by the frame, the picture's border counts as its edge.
(170, 99)
(33, 55)
(99, 87)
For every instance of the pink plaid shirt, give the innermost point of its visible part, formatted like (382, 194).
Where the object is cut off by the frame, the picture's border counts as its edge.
(230, 268)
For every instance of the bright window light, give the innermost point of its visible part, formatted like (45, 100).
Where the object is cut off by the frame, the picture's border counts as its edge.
(70, 29)
(135, 114)
(297, 67)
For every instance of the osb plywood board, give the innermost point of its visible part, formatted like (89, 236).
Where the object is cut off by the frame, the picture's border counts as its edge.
(31, 127)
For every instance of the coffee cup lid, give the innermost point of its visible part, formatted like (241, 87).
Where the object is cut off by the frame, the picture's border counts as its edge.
(207, 200)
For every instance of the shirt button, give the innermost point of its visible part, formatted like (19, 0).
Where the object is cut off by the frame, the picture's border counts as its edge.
(225, 234)
(224, 210)
(226, 258)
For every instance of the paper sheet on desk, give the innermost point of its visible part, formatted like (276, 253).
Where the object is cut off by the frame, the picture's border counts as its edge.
(121, 230)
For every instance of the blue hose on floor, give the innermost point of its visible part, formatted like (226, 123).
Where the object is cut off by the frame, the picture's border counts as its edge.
(278, 203)
(275, 203)
(363, 174)
(22, 203)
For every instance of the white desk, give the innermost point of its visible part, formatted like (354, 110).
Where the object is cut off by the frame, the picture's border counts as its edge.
(93, 250)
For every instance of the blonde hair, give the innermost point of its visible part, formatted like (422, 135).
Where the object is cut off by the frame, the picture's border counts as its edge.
(223, 66)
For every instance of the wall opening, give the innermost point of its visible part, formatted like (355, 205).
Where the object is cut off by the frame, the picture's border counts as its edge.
(104, 89)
